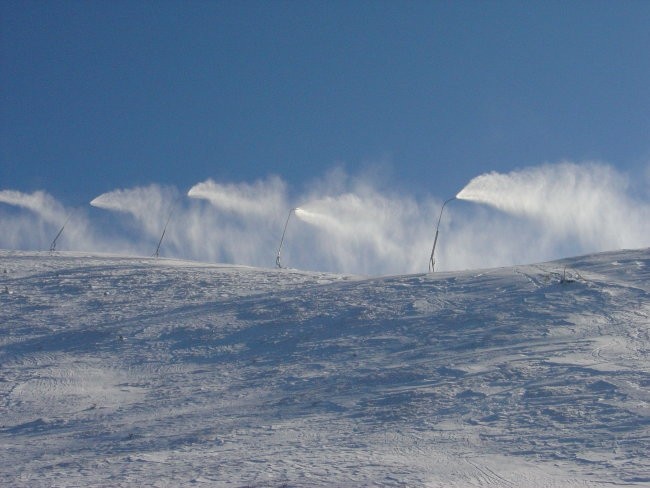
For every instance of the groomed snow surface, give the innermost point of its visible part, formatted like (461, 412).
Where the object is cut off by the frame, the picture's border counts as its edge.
(122, 371)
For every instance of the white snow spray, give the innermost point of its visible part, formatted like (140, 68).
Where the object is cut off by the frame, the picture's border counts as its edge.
(352, 224)
(144, 203)
(260, 198)
(327, 222)
(47, 216)
(38, 202)
(585, 201)
(365, 228)
(150, 206)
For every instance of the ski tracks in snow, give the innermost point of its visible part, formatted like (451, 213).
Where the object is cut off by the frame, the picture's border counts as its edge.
(126, 371)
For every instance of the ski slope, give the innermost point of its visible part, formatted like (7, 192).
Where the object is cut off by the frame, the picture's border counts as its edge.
(119, 371)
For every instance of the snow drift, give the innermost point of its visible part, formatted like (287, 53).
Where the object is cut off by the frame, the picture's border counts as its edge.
(135, 371)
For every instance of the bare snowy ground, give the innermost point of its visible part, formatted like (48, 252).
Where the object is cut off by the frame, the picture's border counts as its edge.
(139, 372)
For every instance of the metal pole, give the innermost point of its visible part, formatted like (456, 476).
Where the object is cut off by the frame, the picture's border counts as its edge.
(432, 259)
(277, 258)
(163, 233)
(53, 245)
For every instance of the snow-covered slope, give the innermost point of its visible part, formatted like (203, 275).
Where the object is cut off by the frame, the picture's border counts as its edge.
(139, 372)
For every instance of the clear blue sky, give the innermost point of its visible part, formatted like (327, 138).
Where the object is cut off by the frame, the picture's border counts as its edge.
(104, 95)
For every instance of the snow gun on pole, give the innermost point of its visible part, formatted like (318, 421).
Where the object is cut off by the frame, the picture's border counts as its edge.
(432, 259)
(156, 254)
(278, 263)
(53, 245)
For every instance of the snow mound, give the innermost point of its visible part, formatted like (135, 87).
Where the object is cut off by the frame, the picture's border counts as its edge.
(132, 371)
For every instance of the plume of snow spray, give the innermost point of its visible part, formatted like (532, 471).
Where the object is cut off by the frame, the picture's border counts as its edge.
(364, 228)
(148, 205)
(48, 214)
(327, 222)
(585, 201)
(39, 202)
(259, 198)
(244, 216)
(353, 226)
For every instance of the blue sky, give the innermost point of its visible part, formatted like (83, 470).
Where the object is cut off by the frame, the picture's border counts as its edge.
(105, 95)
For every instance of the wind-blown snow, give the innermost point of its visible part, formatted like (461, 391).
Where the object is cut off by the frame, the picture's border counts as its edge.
(38, 202)
(587, 202)
(150, 206)
(142, 372)
(45, 218)
(350, 224)
(317, 219)
(260, 199)
(141, 202)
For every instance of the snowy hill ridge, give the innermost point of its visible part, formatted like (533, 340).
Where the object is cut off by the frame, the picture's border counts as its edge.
(122, 371)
